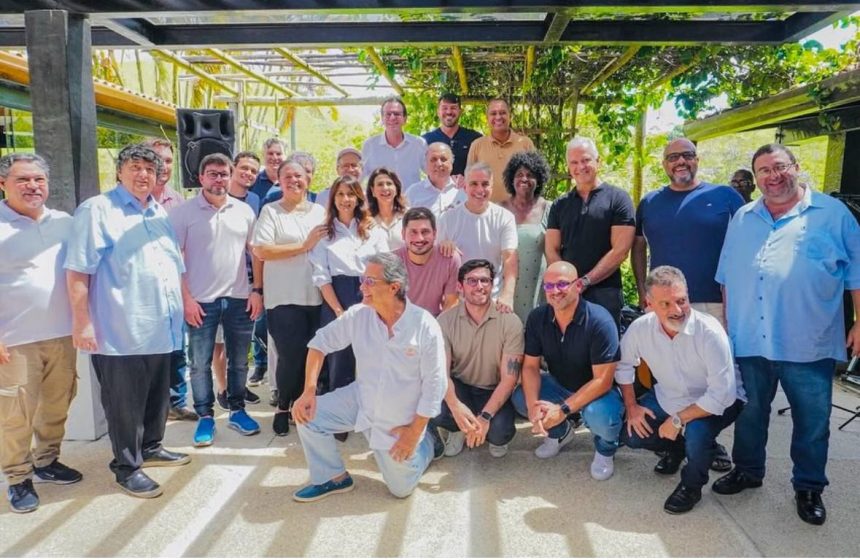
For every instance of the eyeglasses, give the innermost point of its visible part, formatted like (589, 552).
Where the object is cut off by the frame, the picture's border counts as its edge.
(214, 175)
(561, 285)
(390, 114)
(688, 156)
(370, 281)
(473, 281)
(779, 169)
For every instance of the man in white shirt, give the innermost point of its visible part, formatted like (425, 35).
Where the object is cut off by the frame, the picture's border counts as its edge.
(437, 191)
(481, 230)
(37, 358)
(397, 150)
(400, 382)
(698, 391)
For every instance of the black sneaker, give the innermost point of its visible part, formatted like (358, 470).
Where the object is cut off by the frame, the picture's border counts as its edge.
(438, 442)
(257, 376)
(682, 499)
(221, 399)
(23, 497)
(281, 423)
(57, 473)
(273, 398)
(140, 486)
(251, 398)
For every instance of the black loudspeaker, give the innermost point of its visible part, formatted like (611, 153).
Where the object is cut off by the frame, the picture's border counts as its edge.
(202, 132)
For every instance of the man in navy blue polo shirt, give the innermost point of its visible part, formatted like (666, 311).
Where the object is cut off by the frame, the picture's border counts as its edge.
(579, 341)
(451, 133)
(592, 227)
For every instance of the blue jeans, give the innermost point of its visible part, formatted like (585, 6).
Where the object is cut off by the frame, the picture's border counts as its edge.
(603, 416)
(698, 443)
(501, 430)
(809, 389)
(238, 328)
(178, 386)
(261, 359)
(336, 412)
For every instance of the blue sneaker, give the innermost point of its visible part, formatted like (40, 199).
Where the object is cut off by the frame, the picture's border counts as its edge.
(205, 433)
(242, 423)
(314, 492)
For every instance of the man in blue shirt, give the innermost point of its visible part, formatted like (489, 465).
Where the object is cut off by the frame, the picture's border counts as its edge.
(273, 155)
(123, 270)
(785, 263)
(579, 341)
(457, 137)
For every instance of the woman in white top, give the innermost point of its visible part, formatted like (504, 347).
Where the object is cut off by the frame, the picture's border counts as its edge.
(338, 263)
(386, 204)
(286, 232)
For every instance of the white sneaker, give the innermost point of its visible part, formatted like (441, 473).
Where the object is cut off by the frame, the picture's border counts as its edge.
(602, 467)
(551, 446)
(498, 451)
(454, 444)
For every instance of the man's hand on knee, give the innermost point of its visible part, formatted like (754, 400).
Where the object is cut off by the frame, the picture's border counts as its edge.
(305, 408)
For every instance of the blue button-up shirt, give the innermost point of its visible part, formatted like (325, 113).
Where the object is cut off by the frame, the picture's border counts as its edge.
(134, 263)
(785, 278)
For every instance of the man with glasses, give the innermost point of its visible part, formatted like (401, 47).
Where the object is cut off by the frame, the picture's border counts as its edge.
(683, 225)
(579, 342)
(592, 227)
(458, 138)
(485, 357)
(214, 230)
(400, 382)
(743, 182)
(786, 261)
(397, 150)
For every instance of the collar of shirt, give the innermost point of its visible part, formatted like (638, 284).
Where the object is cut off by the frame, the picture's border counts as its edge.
(169, 195)
(511, 139)
(10, 215)
(201, 200)
(448, 186)
(126, 199)
(351, 230)
(463, 314)
(407, 139)
(805, 203)
(578, 315)
(688, 328)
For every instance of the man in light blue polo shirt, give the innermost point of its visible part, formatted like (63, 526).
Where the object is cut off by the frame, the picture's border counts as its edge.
(123, 272)
(785, 263)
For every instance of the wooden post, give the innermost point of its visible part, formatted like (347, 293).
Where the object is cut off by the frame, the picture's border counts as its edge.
(639, 156)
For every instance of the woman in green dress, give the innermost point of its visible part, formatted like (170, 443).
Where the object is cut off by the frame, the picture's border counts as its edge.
(525, 177)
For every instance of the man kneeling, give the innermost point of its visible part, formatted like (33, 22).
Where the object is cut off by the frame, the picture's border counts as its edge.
(399, 386)
(698, 392)
(485, 353)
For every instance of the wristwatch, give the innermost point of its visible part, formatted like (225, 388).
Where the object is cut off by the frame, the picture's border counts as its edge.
(257, 290)
(566, 409)
(486, 416)
(676, 422)
(586, 281)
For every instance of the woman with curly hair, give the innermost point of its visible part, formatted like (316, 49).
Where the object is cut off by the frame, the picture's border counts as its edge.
(338, 263)
(386, 204)
(525, 176)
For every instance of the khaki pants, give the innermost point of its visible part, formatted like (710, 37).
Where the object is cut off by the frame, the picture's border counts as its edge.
(715, 310)
(36, 388)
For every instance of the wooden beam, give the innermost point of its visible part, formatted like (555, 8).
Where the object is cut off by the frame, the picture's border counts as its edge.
(324, 101)
(383, 69)
(530, 67)
(675, 72)
(803, 24)
(210, 79)
(556, 25)
(610, 69)
(461, 69)
(232, 62)
(298, 62)
(639, 157)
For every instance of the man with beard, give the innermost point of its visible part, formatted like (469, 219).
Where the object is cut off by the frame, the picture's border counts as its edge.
(698, 393)
(246, 165)
(458, 138)
(683, 225)
(438, 191)
(786, 261)
(579, 342)
(214, 231)
(432, 276)
(485, 356)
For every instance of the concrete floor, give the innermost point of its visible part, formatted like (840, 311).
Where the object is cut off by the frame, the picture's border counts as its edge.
(234, 500)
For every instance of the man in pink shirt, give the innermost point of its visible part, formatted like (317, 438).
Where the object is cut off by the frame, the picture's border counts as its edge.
(432, 277)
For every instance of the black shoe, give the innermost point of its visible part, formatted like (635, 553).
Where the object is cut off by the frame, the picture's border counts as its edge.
(669, 463)
(140, 486)
(281, 423)
(273, 398)
(257, 376)
(57, 473)
(682, 499)
(341, 436)
(23, 497)
(810, 508)
(721, 462)
(221, 399)
(438, 442)
(182, 413)
(734, 482)
(251, 398)
(165, 458)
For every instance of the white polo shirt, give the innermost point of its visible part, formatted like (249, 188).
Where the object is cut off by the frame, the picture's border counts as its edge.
(438, 201)
(406, 159)
(35, 302)
(213, 242)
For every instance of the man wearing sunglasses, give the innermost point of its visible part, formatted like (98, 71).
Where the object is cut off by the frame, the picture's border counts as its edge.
(785, 263)
(485, 356)
(579, 341)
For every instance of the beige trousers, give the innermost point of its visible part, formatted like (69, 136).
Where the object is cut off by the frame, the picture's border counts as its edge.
(36, 388)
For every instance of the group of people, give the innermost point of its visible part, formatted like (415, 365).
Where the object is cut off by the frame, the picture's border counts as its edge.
(426, 313)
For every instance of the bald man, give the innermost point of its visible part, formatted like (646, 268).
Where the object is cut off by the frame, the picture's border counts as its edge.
(579, 341)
